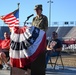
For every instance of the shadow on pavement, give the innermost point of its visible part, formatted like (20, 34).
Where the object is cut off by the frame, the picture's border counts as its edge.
(65, 71)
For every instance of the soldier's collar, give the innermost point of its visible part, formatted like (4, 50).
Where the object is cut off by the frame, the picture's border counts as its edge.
(39, 16)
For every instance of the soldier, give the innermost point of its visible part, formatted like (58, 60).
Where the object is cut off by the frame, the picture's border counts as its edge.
(40, 20)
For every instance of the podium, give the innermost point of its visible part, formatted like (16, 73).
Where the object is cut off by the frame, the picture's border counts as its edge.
(37, 67)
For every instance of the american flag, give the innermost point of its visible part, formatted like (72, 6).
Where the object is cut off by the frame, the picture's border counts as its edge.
(27, 43)
(11, 19)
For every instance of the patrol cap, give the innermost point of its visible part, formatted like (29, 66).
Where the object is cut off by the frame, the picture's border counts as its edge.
(38, 7)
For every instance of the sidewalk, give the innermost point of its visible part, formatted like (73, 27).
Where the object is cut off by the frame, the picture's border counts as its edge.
(59, 71)
(4, 72)
(49, 71)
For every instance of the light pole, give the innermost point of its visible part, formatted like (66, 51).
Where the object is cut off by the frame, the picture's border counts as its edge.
(49, 10)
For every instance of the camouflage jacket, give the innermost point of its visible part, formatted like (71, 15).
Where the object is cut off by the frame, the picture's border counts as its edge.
(40, 22)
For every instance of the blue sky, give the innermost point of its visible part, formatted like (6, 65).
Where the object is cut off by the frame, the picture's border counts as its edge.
(61, 10)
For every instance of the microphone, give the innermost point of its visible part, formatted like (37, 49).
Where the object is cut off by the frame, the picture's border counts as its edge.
(30, 16)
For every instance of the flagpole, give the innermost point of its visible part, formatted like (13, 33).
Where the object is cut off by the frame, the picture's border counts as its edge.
(18, 7)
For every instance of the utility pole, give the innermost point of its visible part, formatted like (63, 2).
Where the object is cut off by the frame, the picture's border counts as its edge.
(50, 11)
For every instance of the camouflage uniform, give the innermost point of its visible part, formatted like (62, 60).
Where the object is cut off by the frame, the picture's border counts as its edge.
(40, 22)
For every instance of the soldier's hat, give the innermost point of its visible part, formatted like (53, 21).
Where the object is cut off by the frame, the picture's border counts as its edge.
(38, 7)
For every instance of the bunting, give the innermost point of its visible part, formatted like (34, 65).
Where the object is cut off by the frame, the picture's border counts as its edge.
(27, 43)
